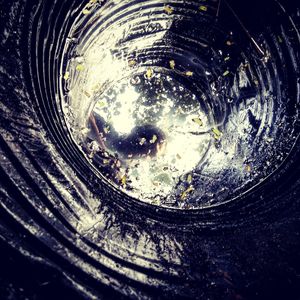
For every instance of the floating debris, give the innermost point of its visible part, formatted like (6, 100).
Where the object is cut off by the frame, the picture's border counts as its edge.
(67, 75)
(168, 9)
(80, 67)
(172, 64)
(187, 192)
(189, 179)
(101, 104)
(132, 63)
(87, 94)
(142, 141)
(198, 121)
(226, 73)
(203, 8)
(86, 11)
(149, 73)
(123, 180)
(154, 139)
(255, 81)
(189, 73)
(248, 168)
(217, 133)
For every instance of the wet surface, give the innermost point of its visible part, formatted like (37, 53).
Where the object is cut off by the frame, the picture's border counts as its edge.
(211, 134)
(192, 106)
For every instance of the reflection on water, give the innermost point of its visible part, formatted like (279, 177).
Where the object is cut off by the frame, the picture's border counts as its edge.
(147, 134)
(174, 108)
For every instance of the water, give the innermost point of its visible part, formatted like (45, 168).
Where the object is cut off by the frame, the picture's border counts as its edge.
(213, 92)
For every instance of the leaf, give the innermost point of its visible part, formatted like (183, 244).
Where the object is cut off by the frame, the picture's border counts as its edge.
(189, 179)
(123, 180)
(198, 121)
(172, 64)
(142, 141)
(132, 63)
(217, 133)
(67, 75)
(189, 73)
(86, 11)
(248, 168)
(168, 9)
(226, 73)
(101, 104)
(80, 67)
(87, 94)
(154, 139)
(203, 8)
(186, 192)
(106, 129)
(149, 73)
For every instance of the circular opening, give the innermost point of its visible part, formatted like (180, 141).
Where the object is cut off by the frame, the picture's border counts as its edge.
(176, 107)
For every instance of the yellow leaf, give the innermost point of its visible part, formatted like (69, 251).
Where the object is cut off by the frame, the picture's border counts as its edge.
(168, 9)
(123, 180)
(80, 67)
(132, 63)
(203, 8)
(226, 73)
(186, 192)
(198, 121)
(142, 141)
(86, 11)
(217, 133)
(101, 104)
(67, 75)
(172, 64)
(106, 129)
(189, 73)
(149, 73)
(154, 139)
(248, 168)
